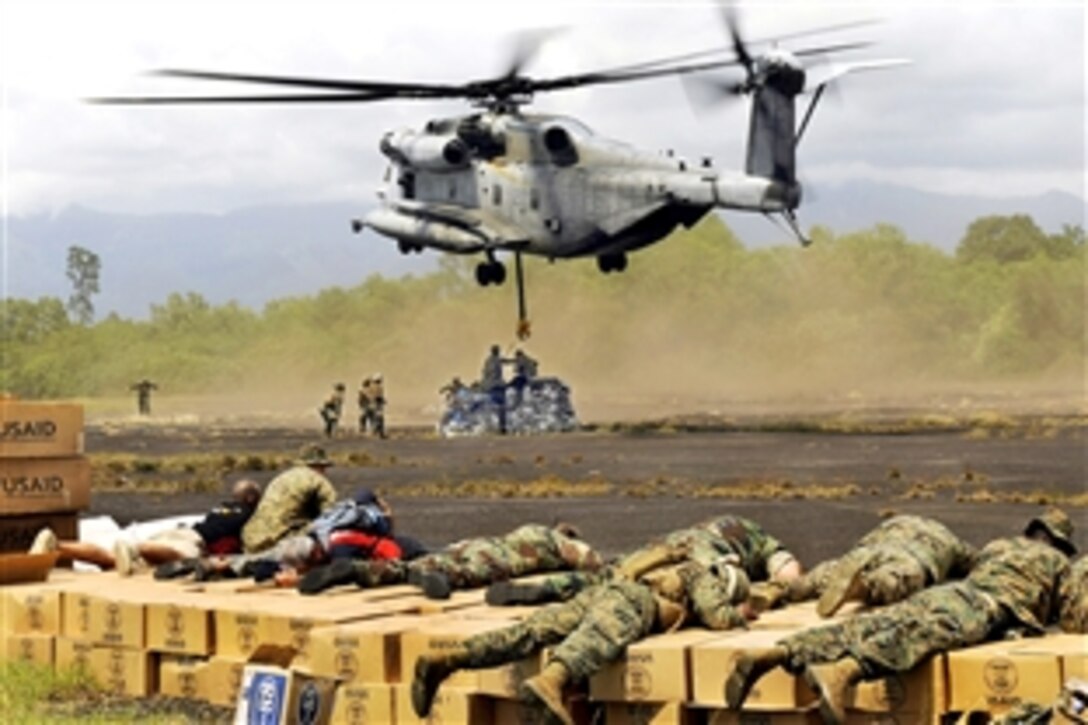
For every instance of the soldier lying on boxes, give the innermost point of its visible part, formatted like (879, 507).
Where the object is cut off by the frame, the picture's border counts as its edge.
(656, 589)
(761, 557)
(466, 564)
(697, 575)
(1011, 587)
(219, 532)
(902, 555)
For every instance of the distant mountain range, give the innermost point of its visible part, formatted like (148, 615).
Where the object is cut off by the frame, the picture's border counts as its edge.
(260, 254)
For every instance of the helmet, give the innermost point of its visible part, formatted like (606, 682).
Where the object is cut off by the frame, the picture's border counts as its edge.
(1057, 524)
(312, 455)
(339, 386)
(377, 377)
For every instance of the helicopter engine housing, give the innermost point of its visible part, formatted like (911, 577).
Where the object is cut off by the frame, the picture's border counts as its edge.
(426, 151)
(560, 146)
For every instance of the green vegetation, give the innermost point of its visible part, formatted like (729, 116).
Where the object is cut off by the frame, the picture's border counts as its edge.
(699, 312)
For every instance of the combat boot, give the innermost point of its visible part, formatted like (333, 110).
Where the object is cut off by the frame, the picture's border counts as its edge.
(831, 682)
(547, 690)
(340, 571)
(430, 672)
(845, 586)
(435, 585)
(749, 668)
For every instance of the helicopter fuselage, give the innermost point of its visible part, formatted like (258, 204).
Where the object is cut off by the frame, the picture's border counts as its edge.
(547, 186)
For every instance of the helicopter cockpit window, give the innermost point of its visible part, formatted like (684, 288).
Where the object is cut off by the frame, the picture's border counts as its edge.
(496, 195)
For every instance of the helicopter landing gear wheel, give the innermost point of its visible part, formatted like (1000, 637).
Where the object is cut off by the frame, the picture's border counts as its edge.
(616, 262)
(488, 273)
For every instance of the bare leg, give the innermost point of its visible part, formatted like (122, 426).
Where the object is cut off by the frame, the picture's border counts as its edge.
(154, 553)
(86, 552)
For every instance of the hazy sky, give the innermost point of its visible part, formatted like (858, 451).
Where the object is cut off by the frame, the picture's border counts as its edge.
(994, 103)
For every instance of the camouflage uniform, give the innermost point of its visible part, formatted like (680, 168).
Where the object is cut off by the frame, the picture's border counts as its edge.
(901, 556)
(1073, 615)
(331, 410)
(726, 540)
(476, 562)
(1013, 585)
(597, 625)
(291, 501)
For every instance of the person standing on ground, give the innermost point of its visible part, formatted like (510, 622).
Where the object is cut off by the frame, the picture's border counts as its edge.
(492, 383)
(372, 406)
(331, 409)
(143, 395)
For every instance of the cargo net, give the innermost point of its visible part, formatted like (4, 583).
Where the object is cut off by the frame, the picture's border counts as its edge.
(541, 405)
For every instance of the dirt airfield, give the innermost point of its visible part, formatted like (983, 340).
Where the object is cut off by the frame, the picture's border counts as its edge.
(817, 481)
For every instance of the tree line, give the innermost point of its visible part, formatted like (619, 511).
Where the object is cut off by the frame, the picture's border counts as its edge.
(698, 310)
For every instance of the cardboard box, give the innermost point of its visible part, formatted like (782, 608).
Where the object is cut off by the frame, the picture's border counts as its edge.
(17, 532)
(712, 663)
(918, 695)
(995, 677)
(30, 609)
(117, 622)
(444, 636)
(39, 430)
(655, 669)
(179, 676)
(649, 713)
(236, 631)
(451, 706)
(123, 671)
(42, 485)
(71, 654)
(36, 648)
(180, 628)
(515, 712)
(272, 694)
(367, 651)
(76, 614)
(220, 680)
(362, 704)
(503, 682)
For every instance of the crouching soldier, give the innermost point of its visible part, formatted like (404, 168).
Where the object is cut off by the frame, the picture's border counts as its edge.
(1011, 588)
(656, 589)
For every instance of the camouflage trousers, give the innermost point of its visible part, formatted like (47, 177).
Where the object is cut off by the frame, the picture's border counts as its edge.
(585, 633)
(474, 565)
(889, 574)
(896, 638)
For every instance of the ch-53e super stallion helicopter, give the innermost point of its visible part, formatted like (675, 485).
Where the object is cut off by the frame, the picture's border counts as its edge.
(501, 180)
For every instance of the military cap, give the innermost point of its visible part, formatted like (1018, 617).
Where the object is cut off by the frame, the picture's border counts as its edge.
(312, 455)
(1057, 524)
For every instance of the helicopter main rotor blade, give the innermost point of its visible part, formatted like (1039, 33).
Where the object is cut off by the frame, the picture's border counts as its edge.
(300, 98)
(331, 84)
(526, 45)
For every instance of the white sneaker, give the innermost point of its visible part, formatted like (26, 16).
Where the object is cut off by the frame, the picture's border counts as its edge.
(44, 543)
(125, 557)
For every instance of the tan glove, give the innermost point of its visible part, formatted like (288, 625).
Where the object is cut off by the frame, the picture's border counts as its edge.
(767, 595)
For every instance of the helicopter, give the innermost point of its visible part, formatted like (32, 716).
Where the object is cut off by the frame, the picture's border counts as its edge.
(503, 180)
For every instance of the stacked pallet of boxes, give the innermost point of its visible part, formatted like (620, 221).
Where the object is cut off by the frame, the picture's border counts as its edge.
(44, 482)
